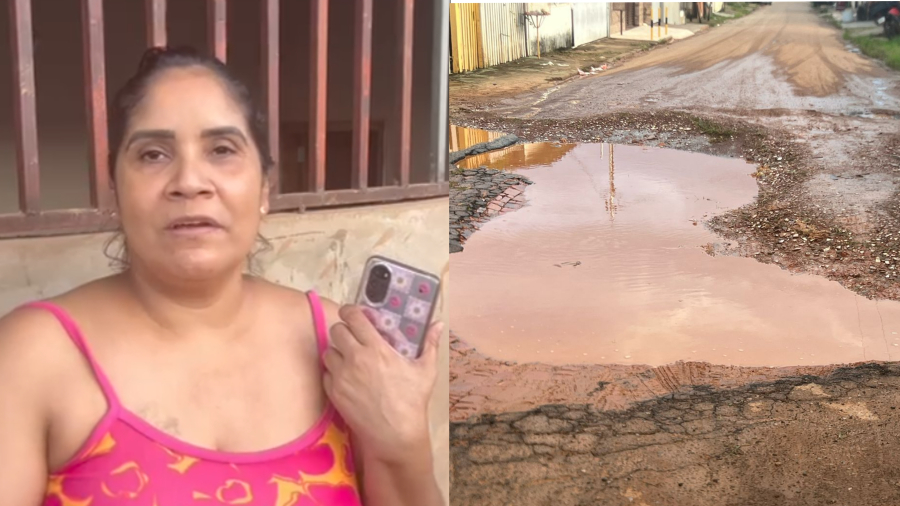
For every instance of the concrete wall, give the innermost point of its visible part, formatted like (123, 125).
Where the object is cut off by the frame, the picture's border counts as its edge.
(590, 21)
(62, 131)
(322, 250)
(556, 29)
(675, 17)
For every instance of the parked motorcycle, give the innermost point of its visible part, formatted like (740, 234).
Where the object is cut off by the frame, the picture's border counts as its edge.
(886, 14)
(892, 23)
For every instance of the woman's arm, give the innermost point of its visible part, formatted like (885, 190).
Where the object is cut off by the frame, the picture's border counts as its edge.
(23, 468)
(405, 476)
(402, 483)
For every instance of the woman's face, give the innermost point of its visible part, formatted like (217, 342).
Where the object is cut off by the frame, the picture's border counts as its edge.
(189, 184)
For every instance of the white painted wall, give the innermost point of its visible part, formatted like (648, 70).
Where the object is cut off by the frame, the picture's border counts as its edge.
(675, 10)
(590, 21)
(555, 31)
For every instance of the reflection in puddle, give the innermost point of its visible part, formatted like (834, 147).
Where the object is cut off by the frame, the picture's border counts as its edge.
(518, 155)
(462, 137)
(645, 291)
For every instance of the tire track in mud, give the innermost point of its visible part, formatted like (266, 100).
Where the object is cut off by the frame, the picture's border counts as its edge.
(480, 384)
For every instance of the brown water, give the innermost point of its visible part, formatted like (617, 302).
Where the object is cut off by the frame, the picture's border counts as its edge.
(646, 291)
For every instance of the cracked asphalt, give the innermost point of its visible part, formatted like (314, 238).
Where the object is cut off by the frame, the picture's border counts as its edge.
(798, 441)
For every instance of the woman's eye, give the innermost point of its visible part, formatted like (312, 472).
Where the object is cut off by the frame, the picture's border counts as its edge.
(152, 156)
(222, 151)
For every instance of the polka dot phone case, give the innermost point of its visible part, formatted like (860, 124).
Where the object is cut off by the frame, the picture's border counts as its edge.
(400, 301)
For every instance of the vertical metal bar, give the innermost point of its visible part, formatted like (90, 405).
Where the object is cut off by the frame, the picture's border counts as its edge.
(95, 87)
(216, 31)
(156, 23)
(362, 93)
(440, 90)
(406, 92)
(318, 96)
(25, 111)
(270, 85)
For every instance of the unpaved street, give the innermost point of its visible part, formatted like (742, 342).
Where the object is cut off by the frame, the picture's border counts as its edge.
(780, 57)
(778, 87)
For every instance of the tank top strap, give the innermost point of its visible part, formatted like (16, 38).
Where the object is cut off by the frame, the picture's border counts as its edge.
(74, 332)
(320, 323)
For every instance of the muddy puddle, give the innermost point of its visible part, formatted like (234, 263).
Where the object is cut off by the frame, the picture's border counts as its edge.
(610, 262)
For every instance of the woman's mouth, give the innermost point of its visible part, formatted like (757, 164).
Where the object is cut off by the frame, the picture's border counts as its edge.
(193, 226)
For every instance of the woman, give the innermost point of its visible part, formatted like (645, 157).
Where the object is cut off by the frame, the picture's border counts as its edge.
(181, 380)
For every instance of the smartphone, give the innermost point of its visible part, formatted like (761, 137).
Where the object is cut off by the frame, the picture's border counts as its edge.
(400, 300)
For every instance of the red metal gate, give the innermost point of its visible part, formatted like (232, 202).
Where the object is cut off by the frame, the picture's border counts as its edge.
(31, 220)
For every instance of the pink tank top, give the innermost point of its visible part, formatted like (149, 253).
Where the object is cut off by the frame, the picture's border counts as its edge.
(127, 461)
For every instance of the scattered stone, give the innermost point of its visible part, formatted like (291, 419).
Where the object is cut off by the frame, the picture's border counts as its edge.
(477, 195)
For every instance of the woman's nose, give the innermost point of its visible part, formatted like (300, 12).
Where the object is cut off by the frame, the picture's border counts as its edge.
(189, 179)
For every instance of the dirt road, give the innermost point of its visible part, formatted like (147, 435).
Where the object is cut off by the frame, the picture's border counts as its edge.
(780, 57)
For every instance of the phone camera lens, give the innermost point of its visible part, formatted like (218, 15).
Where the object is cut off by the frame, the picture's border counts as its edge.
(378, 284)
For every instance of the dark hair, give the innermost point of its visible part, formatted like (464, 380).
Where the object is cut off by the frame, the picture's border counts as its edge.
(157, 60)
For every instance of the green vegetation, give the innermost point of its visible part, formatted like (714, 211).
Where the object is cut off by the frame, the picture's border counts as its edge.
(736, 9)
(878, 47)
(873, 46)
(714, 131)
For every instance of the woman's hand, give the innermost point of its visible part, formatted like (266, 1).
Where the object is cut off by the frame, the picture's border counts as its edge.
(382, 395)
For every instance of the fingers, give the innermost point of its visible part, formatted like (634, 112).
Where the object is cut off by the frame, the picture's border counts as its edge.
(359, 325)
(431, 348)
(328, 384)
(342, 339)
(332, 359)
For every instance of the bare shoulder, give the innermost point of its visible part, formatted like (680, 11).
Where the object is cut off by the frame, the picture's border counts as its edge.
(28, 356)
(35, 346)
(32, 354)
(291, 300)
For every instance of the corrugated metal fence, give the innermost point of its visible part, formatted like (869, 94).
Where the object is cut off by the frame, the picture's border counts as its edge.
(466, 52)
(503, 32)
(482, 35)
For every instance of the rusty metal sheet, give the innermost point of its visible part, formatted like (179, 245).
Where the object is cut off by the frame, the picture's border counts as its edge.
(318, 96)
(270, 73)
(47, 223)
(95, 86)
(156, 23)
(406, 91)
(333, 198)
(24, 108)
(216, 26)
(362, 92)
